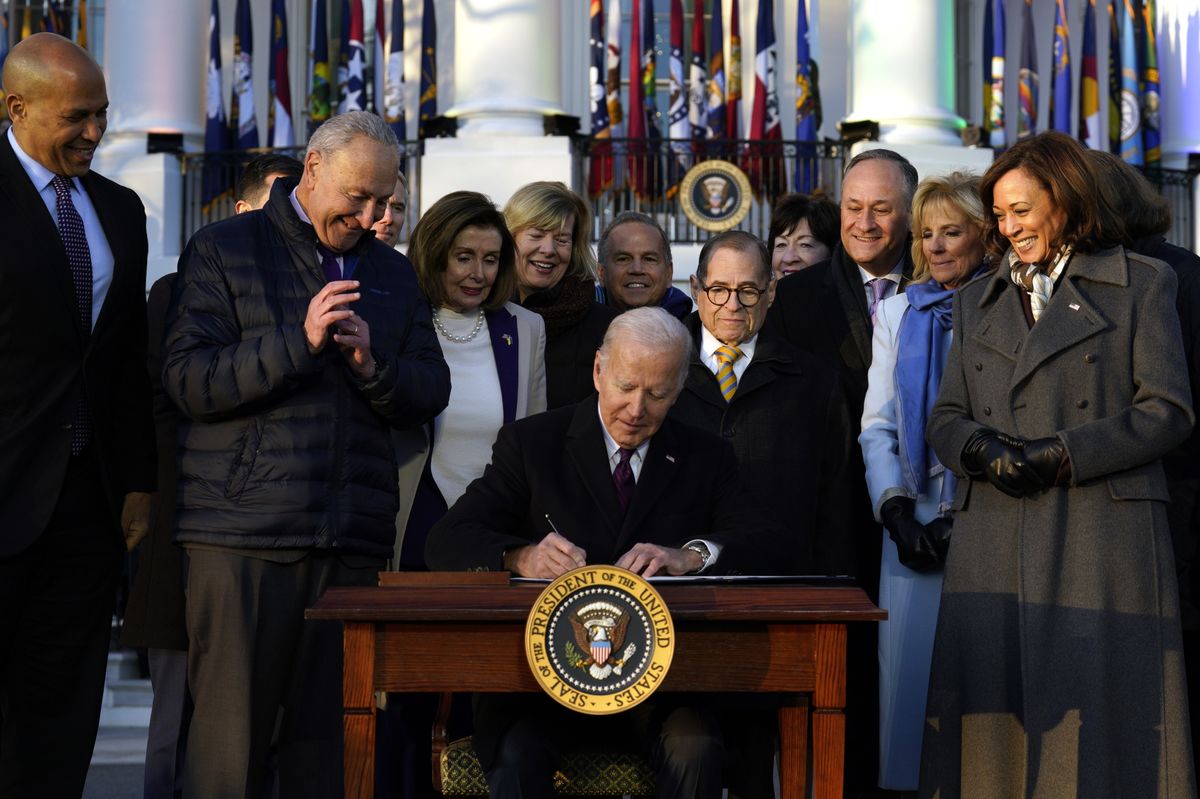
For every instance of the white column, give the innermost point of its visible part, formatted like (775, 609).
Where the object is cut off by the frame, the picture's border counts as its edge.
(1179, 81)
(507, 78)
(506, 66)
(154, 62)
(902, 70)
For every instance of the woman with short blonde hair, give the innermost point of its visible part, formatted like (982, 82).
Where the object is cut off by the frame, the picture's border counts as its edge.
(556, 269)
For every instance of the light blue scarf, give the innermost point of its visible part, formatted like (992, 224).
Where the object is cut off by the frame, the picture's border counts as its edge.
(920, 360)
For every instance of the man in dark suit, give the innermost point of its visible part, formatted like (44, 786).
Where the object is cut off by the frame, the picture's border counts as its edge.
(610, 480)
(76, 434)
(784, 412)
(828, 310)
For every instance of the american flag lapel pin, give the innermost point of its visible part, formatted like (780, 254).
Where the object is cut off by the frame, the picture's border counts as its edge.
(671, 458)
(1074, 306)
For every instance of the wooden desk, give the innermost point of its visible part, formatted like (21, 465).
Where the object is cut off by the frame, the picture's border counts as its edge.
(785, 638)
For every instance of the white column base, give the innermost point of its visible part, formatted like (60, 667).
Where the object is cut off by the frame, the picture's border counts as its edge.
(504, 116)
(921, 127)
(934, 159)
(495, 166)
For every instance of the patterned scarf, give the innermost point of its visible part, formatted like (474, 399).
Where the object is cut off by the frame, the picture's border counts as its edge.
(1037, 280)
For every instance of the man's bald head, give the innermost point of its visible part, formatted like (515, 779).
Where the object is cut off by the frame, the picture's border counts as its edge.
(57, 102)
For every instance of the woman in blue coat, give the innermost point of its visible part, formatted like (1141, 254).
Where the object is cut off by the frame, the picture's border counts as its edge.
(910, 490)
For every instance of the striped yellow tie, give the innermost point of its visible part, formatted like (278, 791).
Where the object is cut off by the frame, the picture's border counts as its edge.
(726, 379)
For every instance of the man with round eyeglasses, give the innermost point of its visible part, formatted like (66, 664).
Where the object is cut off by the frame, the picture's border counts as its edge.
(785, 414)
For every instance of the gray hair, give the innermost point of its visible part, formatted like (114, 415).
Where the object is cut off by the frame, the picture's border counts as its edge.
(908, 172)
(604, 248)
(337, 132)
(655, 329)
(740, 241)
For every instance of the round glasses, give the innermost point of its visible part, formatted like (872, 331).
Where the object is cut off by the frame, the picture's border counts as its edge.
(748, 296)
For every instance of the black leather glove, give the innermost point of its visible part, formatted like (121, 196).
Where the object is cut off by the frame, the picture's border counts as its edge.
(915, 551)
(937, 533)
(1046, 456)
(999, 459)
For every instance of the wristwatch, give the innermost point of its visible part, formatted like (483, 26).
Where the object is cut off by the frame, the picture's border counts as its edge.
(701, 549)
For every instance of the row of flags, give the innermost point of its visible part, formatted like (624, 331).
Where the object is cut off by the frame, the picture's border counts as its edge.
(704, 103)
(54, 17)
(1133, 82)
(362, 84)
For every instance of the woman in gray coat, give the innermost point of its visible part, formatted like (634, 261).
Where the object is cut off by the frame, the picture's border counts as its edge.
(1057, 668)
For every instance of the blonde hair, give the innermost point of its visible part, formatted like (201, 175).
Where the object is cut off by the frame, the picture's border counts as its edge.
(545, 205)
(958, 191)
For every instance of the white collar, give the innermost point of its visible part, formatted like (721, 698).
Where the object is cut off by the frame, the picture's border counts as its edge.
(709, 344)
(894, 275)
(38, 174)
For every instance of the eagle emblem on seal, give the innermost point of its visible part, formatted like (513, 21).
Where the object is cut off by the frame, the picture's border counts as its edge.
(600, 631)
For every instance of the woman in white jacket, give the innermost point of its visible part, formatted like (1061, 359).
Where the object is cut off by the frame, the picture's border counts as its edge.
(909, 489)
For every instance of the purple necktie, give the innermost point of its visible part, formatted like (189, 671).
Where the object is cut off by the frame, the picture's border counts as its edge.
(329, 265)
(623, 479)
(878, 287)
(74, 239)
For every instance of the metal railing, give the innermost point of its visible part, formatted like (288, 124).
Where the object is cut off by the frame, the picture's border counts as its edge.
(225, 168)
(661, 167)
(1178, 186)
(646, 176)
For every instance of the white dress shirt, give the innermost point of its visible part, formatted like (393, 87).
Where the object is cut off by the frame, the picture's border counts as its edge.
(708, 353)
(635, 464)
(102, 257)
(893, 278)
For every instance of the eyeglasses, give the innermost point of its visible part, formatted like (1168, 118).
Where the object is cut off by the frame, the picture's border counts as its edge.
(748, 296)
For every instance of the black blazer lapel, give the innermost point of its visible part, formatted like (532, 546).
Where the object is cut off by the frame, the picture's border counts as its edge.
(585, 448)
(658, 470)
(36, 224)
(853, 303)
(124, 269)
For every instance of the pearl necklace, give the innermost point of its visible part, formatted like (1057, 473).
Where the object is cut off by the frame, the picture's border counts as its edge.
(458, 339)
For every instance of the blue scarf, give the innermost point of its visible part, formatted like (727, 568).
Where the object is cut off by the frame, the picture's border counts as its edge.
(920, 360)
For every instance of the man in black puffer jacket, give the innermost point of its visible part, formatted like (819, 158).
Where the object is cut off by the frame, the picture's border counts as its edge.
(296, 340)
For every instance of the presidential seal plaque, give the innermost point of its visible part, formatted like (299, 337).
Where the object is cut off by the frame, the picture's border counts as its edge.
(715, 195)
(599, 639)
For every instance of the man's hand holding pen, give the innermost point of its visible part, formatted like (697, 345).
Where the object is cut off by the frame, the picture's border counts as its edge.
(549, 558)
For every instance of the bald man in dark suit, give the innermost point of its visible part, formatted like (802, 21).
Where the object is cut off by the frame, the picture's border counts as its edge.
(76, 432)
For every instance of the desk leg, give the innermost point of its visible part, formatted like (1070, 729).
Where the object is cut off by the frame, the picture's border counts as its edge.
(358, 714)
(829, 717)
(793, 746)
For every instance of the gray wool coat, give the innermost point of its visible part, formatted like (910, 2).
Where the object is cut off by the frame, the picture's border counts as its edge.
(1057, 668)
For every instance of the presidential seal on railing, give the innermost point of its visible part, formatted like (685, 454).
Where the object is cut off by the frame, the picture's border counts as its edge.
(599, 639)
(715, 195)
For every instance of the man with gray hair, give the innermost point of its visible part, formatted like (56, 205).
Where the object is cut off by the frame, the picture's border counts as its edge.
(635, 267)
(295, 341)
(828, 310)
(610, 480)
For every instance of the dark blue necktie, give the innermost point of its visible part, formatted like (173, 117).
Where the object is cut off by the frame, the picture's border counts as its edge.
(74, 239)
